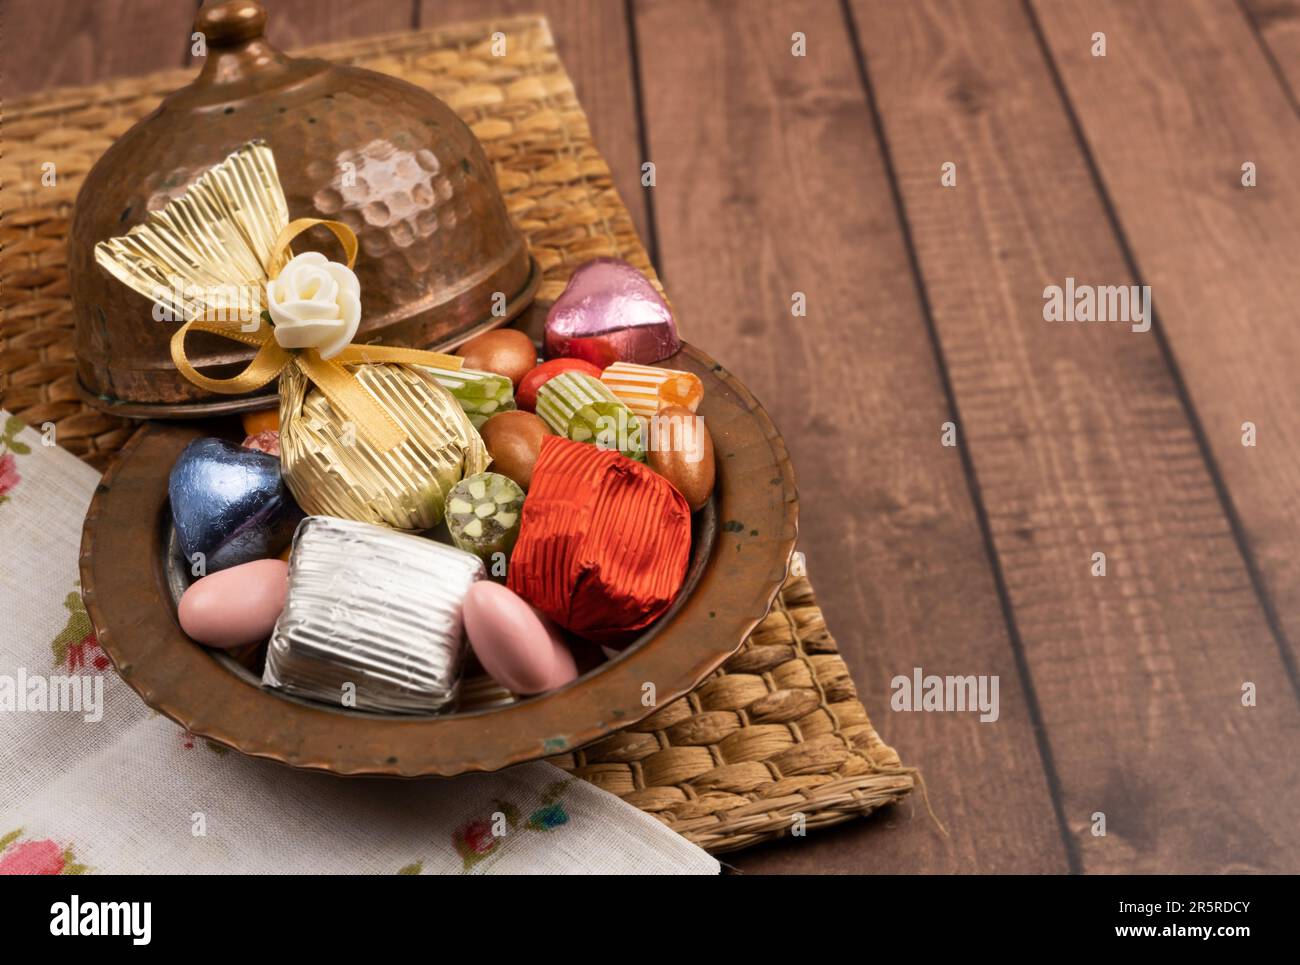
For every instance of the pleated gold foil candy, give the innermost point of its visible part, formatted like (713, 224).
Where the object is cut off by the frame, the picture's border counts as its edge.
(332, 471)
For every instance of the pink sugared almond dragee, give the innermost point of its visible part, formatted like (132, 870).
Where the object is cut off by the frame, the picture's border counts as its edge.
(518, 647)
(609, 312)
(236, 606)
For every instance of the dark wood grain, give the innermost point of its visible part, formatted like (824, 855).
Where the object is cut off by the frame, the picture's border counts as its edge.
(770, 181)
(46, 43)
(1182, 101)
(592, 39)
(1277, 23)
(298, 23)
(1081, 445)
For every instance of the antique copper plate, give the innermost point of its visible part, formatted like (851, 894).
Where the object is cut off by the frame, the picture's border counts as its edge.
(744, 539)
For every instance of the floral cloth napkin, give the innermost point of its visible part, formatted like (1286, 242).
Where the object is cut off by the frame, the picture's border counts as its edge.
(92, 780)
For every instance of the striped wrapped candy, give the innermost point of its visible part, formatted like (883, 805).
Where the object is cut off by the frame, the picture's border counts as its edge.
(481, 394)
(583, 409)
(646, 389)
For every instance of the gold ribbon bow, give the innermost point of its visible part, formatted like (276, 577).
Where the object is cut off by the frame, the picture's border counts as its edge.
(331, 376)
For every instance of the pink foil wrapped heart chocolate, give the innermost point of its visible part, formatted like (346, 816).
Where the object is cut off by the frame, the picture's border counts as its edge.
(609, 312)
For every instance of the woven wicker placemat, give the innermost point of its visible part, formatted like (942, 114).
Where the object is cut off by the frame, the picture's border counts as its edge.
(774, 741)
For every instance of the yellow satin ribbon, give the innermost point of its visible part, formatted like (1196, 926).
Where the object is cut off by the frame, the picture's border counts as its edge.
(331, 376)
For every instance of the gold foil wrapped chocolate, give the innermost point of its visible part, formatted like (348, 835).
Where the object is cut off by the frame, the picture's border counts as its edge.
(333, 471)
(366, 431)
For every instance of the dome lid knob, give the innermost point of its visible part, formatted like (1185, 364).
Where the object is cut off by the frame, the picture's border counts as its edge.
(231, 23)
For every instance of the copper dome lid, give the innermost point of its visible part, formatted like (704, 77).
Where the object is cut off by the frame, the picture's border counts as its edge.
(440, 259)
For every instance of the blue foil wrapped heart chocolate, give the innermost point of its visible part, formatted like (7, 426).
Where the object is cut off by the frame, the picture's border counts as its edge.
(230, 504)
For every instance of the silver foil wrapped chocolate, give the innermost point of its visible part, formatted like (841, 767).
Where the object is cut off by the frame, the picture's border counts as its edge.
(372, 608)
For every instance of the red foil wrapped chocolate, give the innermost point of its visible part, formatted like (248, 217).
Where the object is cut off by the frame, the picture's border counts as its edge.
(603, 543)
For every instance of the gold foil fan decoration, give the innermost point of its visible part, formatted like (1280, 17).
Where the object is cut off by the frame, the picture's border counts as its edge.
(219, 234)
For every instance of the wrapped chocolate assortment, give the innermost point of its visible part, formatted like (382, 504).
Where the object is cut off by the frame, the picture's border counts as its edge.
(485, 502)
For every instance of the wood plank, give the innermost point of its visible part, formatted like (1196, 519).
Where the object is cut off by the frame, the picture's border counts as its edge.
(591, 37)
(1081, 444)
(1182, 100)
(1278, 24)
(48, 43)
(297, 23)
(770, 181)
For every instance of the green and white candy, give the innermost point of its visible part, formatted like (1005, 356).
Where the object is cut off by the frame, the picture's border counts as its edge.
(583, 409)
(481, 394)
(483, 513)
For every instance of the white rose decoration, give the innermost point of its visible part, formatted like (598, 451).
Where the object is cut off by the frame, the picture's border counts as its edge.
(315, 303)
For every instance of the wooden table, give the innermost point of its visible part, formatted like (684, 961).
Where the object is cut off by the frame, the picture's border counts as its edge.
(1128, 694)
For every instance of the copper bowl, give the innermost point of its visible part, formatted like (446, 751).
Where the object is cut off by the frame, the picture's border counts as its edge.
(440, 259)
(741, 548)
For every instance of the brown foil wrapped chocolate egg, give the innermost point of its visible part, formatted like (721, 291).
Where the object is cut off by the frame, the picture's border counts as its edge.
(504, 351)
(513, 440)
(681, 450)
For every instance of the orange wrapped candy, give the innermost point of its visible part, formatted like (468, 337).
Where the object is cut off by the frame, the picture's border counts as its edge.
(603, 543)
(646, 389)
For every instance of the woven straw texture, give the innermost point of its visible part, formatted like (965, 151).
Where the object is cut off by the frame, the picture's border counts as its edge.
(774, 740)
